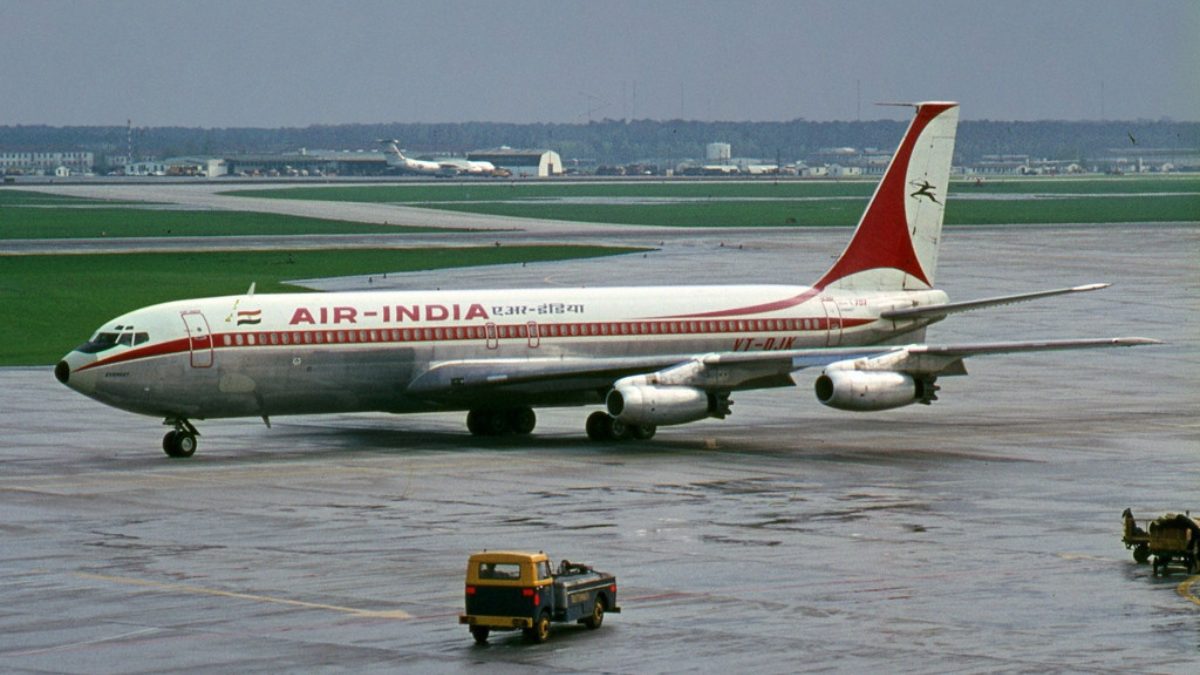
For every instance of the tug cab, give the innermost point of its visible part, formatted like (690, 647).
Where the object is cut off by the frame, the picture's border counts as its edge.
(514, 590)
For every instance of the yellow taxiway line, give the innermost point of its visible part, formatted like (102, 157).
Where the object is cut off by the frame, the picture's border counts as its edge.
(198, 590)
(1185, 589)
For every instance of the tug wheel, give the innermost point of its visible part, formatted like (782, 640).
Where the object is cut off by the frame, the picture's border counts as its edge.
(480, 633)
(1141, 553)
(597, 618)
(540, 631)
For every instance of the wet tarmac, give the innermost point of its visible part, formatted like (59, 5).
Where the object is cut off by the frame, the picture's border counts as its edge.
(980, 534)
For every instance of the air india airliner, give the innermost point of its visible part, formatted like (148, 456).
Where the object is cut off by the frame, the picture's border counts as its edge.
(645, 356)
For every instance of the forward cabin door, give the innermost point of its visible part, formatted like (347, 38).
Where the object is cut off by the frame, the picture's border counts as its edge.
(199, 339)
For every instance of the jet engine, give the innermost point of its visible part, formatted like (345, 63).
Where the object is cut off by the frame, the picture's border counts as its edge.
(660, 406)
(861, 390)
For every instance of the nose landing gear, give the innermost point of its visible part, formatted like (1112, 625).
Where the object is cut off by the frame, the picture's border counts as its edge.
(181, 442)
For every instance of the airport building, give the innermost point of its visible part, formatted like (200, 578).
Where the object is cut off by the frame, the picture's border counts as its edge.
(45, 163)
(522, 163)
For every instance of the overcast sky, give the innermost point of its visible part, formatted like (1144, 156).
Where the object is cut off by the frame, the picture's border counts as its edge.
(276, 63)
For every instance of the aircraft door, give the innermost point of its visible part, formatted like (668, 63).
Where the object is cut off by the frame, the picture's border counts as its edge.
(199, 339)
(833, 321)
(490, 332)
(532, 332)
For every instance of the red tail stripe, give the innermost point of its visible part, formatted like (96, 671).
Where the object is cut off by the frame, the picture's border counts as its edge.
(882, 239)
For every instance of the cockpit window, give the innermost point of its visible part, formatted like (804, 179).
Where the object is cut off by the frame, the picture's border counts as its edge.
(104, 341)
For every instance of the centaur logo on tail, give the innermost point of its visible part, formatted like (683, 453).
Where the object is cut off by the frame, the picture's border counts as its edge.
(649, 356)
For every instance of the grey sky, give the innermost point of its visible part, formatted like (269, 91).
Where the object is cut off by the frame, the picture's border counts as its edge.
(300, 62)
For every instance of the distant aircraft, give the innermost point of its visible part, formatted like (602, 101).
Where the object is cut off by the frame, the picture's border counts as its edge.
(443, 167)
(652, 356)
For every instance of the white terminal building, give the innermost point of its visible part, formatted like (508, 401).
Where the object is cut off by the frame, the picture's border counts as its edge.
(46, 163)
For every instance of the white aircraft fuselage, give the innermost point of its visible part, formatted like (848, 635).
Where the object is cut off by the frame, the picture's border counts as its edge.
(282, 354)
(652, 355)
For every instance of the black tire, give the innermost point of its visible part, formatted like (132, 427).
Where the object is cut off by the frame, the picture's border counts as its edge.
(597, 618)
(475, 420)
(522, 420)
(1141, 553)
(619, 430)
(495, 423)
(598, 428)
(540, 632)
(181, 444)
(480, 633)
(643, 432)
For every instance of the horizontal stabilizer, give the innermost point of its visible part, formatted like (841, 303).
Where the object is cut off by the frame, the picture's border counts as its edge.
(980, 349)
(938, 311)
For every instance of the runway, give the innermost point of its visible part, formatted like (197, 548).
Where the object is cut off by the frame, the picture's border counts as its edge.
(979, 534)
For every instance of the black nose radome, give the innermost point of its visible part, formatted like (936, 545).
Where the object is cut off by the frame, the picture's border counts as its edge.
(62, 372)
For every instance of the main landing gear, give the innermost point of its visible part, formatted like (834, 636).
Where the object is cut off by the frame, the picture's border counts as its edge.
(181, 442)
(604, 427)
(501, 421)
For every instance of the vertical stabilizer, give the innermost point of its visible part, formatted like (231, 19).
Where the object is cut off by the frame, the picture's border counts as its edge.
(895, 246)
(392, 152)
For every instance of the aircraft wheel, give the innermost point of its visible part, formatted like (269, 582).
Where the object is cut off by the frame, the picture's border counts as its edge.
(620, 431)
(598, 428)
(522, 420)
(496, 423)
(480, 633)
(179, 444)
(475, 422)
(643, 432)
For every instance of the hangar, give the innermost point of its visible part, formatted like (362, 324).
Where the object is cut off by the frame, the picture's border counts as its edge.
(522, 163)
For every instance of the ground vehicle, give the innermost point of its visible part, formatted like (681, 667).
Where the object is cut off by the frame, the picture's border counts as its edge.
(507, 590)
(1171, 538)
(1135, 538)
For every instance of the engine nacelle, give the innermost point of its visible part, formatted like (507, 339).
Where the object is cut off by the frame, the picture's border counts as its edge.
(866, 390)
(659, 406)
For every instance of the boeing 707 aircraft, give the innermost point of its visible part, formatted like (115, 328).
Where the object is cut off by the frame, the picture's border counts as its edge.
(652, 356)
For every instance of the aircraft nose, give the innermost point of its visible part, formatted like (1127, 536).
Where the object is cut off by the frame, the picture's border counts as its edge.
(68, 372)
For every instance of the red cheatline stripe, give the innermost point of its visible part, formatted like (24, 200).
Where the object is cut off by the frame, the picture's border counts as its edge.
(345, 336)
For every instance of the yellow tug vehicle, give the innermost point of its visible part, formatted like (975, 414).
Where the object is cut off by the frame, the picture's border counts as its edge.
(514, 590)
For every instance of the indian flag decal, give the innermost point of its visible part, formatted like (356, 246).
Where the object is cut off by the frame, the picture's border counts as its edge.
(249, 317)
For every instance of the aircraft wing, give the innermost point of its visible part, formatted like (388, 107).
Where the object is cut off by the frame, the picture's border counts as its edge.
(939, 311)
(717, 371)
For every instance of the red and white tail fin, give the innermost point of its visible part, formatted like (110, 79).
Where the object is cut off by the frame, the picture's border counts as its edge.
(895, 246)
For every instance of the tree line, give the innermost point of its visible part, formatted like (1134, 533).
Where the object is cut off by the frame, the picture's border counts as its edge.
(618, 141)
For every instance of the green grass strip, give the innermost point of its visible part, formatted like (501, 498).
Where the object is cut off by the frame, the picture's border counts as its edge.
(18, 222)
(49, 304)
